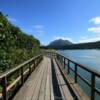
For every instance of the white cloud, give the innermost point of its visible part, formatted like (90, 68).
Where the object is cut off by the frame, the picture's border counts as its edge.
(94, 29)
(12, 19)
(95, 20)
(63, 38)
(39, 28)
(89, 39)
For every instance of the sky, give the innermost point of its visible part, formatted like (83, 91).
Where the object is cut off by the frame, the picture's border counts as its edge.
(75, 20)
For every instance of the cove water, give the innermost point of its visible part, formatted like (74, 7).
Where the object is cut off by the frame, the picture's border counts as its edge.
(88, 58)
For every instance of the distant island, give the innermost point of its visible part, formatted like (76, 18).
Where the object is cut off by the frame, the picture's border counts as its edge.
(65, 44)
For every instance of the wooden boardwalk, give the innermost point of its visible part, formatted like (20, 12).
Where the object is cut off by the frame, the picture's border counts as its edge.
(48, 77)
(45, 83)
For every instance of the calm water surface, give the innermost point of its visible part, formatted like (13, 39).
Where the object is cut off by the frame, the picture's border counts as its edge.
(88, 58)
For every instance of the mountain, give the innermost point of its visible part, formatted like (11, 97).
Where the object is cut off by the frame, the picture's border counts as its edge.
(59, 44)
(89, 45)
(65, 44)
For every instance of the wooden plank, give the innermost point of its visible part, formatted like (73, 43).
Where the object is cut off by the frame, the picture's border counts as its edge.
(47, 92)
(34, 83)
(14, 83)
(51, 85)
(43, 85)
(75, 87)
(27, 88)
(37, 85)
(57, 74)
(64, 88)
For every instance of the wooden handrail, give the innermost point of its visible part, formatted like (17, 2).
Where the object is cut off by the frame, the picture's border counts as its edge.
(94, 73)
(17, 67)
(80, 65)
(4, 77)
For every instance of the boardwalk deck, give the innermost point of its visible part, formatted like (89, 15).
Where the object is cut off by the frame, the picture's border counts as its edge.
(39, 85)
(66, 95)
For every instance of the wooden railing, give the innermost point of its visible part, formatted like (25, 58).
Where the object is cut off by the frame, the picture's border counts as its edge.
(94, 74)
(15, 78)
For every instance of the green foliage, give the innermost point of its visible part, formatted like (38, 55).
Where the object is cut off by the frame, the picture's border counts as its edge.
(15, 46)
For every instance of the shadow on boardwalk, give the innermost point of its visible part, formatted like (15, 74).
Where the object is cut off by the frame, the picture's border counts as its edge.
(56, 89)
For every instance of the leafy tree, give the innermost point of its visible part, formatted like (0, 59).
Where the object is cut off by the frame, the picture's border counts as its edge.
(15, 46)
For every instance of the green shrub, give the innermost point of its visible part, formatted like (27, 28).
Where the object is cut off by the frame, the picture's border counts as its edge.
(15, 46)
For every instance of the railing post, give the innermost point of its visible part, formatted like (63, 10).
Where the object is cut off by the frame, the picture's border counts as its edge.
(64, 63)
(60, 59)
(29, 68)
(93, 86)
(40, 58)
(22, 76)
(75, 73)
(54, 54)
(57, 56)
(36, 61)
(4, 91)
(68, 67)
(34, 64)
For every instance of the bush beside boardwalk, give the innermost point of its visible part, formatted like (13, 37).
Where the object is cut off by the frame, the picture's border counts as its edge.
(15, 45)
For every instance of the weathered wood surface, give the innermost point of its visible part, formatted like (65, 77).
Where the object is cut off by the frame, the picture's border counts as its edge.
(66, 95)
(75, 87)
(39, 85)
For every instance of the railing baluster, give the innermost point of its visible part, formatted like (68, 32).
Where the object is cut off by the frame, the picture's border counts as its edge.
(68, 66)
(4, 91)
(7, 76)
(75, 73)
(61, 60)
(64, 63)
(93, 86)
(29, 68)
(22, 76)
(34, 64)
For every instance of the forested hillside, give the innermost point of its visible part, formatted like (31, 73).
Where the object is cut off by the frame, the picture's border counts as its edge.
(59, 43)
(15, 46)
(70, 46)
